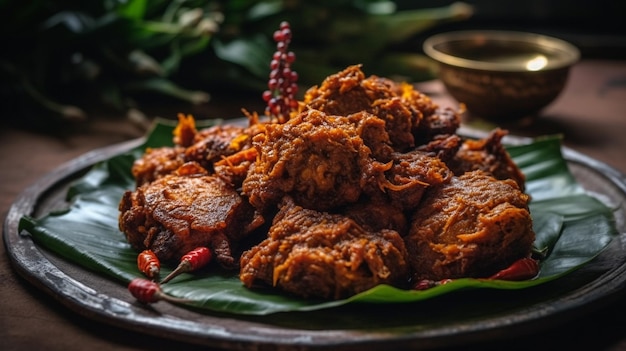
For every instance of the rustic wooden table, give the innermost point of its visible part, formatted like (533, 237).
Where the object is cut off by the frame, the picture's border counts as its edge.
(591, 114)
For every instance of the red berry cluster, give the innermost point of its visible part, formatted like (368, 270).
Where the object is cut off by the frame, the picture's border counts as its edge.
(282, 84)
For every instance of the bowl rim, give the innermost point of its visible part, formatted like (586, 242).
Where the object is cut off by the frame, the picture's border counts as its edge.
(568, 53)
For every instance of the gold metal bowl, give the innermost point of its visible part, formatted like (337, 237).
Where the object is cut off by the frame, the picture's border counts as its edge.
(502, 74)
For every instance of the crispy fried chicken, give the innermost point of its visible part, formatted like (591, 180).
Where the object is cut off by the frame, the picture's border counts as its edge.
(366, 184)
(488, 154)
(318, 159)
(186, 209)
(411, 117)
(321, 255)
(473, 226)
(156, 163)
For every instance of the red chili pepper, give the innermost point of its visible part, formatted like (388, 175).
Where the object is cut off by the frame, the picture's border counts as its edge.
(191, 261)
(147, 291)
(522, 269)
(427, 284)
(144, 290)
(148, 264)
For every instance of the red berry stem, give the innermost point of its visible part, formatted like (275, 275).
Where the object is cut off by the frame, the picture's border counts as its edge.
(283, 81)
(191, 261)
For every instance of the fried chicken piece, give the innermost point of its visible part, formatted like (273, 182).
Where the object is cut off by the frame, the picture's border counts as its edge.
(349, 92)
(488, 154)
(232, 152)
(411, 117)
(411, 175)
(319, 159)
(234, 168)
(205, 147)
(473, 226)
(320, 255)
(443, 146)
(345, 92)
(399, 118)
(437, 121)
(189, 208)
(377, 214)
(156, 163)
(374, 134)
(213, 143)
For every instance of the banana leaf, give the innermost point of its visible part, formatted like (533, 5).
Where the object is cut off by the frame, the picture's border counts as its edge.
(572, 228)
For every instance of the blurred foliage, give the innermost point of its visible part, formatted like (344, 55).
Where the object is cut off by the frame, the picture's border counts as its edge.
(63, 55)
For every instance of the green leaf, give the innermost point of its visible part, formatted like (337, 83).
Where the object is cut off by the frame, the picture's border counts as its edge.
(572, 228)
(168, 88)
(548, 227)
(546, 171)
(402, 25)
(181, 48)
(252, 53)
(134, 9)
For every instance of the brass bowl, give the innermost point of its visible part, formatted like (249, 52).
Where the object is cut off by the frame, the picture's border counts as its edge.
(501, 74)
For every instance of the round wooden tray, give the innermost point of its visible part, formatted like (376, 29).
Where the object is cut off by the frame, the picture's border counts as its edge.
(456, 319)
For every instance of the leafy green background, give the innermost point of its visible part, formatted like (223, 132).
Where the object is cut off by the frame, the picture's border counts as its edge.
(572, 228)
(62, 58)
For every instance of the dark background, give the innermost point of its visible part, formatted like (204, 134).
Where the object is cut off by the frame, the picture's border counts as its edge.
(597, 28)
(40, 60)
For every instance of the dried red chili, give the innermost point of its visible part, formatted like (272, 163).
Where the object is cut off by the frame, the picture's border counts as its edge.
(144, 290)
(522, 269)
(191, 261)
(427, 284)
(148, 291)
(148, 264)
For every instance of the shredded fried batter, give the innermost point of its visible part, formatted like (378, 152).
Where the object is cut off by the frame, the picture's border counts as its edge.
(489, 155)
(181, 211)
(473, 226)
(317, 254)
(318, 159)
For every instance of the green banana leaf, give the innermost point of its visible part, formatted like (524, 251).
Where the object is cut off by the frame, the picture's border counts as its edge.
(572, 228)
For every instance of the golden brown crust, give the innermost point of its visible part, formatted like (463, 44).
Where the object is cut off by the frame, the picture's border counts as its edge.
(489, 155)
(179, 212)
(471, 227)
(156, 163)
(317, 254)
(318, 159)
